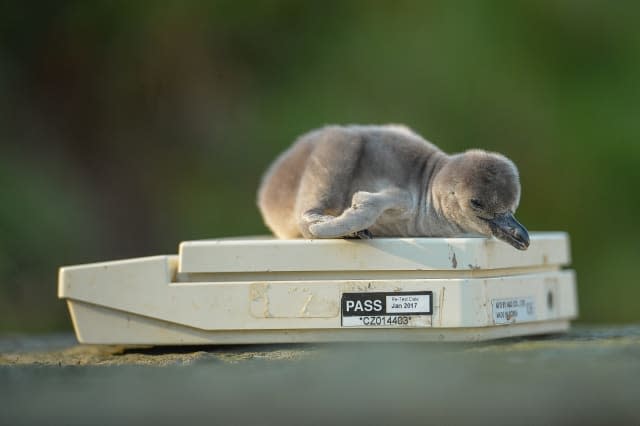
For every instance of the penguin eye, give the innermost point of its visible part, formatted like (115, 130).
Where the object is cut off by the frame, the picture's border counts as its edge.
(476, 204)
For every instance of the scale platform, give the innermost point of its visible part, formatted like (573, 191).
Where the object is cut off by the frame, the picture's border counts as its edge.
(263, 290)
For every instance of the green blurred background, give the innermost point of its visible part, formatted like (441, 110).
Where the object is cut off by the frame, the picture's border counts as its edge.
(127, 127)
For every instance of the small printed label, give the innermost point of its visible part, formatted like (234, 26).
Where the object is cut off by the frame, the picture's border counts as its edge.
(392, 309)
(512, 310)
(408, 303)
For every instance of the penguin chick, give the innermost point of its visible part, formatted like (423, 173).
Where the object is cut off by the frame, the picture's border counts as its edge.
(388, 181)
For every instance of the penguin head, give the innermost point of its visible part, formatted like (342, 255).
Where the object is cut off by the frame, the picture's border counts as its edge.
(480, 191)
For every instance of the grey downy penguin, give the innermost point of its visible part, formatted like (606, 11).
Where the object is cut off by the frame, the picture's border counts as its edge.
(387, 181)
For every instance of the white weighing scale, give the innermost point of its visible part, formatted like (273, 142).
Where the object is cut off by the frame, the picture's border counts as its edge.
(262, 290)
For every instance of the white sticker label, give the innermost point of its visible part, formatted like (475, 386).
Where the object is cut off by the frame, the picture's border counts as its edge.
(512, 310)
(387, 309)
(402, 304)
(387, 321)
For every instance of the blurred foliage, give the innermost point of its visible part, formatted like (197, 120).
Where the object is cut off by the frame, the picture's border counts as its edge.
(127, 127)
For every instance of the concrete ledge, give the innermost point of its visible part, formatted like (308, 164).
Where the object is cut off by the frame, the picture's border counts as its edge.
(589, 376)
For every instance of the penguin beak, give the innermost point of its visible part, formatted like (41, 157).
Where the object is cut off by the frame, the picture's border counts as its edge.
(506, 228)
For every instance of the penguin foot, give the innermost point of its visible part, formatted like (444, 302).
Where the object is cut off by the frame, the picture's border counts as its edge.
(364, 234)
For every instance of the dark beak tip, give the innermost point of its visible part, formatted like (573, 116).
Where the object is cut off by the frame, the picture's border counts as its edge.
(522, 241)
(507, 228)
(518, 244)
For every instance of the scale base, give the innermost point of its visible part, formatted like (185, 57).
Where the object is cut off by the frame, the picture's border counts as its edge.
(243, 291)
(98, 325)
